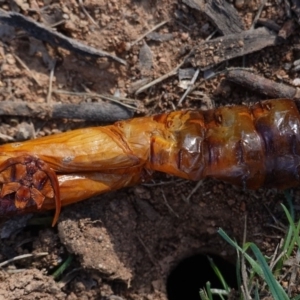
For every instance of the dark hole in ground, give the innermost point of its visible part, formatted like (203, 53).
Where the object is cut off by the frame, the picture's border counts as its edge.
(192, 274)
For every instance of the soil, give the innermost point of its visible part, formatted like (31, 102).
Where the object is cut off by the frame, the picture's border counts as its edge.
(125, 244)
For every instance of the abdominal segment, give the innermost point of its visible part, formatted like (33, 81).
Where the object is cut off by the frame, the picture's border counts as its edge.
(250, 146)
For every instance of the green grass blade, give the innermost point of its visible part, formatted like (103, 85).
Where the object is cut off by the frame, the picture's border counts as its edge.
(256, 294)
(256, 267)
(63, 267)
(238, 272)
(219, 293)
(208, 290)
(292, 224)
(275, 288)
(203, 295)
(288, 197)
(219, 274)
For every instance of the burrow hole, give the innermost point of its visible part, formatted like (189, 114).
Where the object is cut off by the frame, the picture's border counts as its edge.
(192, 274)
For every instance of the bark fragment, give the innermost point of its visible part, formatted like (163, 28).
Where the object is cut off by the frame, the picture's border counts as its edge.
(210, 53)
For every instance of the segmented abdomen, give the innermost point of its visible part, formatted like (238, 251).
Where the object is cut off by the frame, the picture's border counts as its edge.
(253, 147)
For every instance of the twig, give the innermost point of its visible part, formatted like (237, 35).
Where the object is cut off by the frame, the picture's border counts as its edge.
(168, 205)
(20, 61)
(211, 35)
(283, 253)
(287, 7)
(149, 253)
(178, 182)
(269, 24)
(117, 100)
(22, 257)
(15, 271)
(294, 273)
(51, 83)
(41, 32)
(283, 230)
(210, 53)
(273, 259)
(165, 76)
(87, 14)
(224, 16)
(193, 191)
(190, 86)
(245, 296)
(6, 137)
(263, 3)
(262, 85)
(102, 112)
(243, 264)
(149, 31)
(158, 80)
(276, 221)
(57, 23)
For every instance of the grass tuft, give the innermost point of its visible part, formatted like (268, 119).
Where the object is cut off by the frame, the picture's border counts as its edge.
(259, 276)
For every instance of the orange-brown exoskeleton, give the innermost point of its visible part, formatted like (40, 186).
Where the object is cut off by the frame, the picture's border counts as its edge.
(251, 146)
(26, 180)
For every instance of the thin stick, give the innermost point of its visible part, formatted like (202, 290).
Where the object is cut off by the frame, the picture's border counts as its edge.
(262, 85)
(42, 32)
(177, 182)
(193, 191)
(51, 82)
(243, 264)
(149, 253)
(190, 86)
(287, 7)
(20, 61)
(283, 253)
(6, 137)
(102, 112)
(149, 31)
(168, 205)
(87, 14)
(263, 3)
(172, 72)
(160, 79)
(22, 257)
(101, 96)
(271, 264)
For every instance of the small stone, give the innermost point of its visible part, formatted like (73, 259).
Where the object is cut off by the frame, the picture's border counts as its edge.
(296, 82)
(241, 43)
(10, 59)
(239, 4)
(25, 131)
(184, 36)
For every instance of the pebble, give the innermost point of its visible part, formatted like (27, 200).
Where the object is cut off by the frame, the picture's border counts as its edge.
(184, 36)
(10, 59)
(25, 131)
(239, 4)
(296, 82)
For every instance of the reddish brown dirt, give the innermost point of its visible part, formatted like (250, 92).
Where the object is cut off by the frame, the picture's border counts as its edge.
(126, 243)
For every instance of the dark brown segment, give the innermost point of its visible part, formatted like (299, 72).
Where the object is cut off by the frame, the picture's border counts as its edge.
(278, 123)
